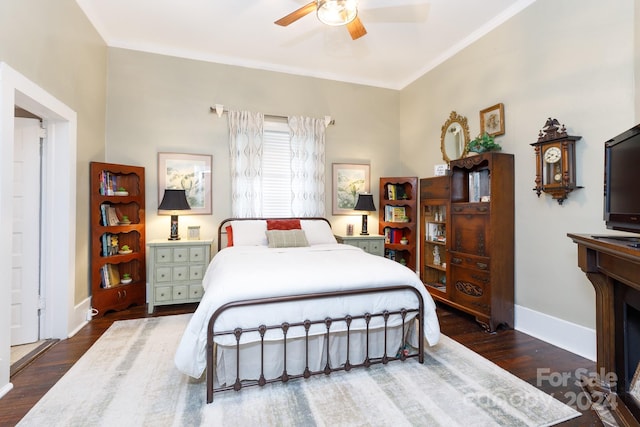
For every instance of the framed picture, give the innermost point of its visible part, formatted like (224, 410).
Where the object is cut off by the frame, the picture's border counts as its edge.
(348, 180)
(191, 172)
(492, 120)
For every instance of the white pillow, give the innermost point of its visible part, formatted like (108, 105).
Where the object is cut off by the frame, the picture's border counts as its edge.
(318, 232)
(249, 233)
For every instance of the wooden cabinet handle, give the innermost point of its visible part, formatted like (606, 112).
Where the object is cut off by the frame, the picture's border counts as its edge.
(482, 265)
(457, 209)
(456, 260)
(482, 208)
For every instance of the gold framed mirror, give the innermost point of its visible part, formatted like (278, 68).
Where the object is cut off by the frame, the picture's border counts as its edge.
(455, 136)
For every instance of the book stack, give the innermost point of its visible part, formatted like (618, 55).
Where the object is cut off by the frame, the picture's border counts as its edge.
(109, 215)
(396, 192)
(395, 214)
(479, 185)
(393, 235)
(109, 244)
(110, 275)
(108, 184)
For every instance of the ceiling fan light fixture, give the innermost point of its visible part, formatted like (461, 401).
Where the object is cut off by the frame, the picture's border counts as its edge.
(337, 12)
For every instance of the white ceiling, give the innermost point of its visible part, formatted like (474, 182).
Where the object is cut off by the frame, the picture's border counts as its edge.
(405, 38)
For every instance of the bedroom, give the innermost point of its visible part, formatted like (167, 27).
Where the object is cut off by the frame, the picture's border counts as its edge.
(579, 69)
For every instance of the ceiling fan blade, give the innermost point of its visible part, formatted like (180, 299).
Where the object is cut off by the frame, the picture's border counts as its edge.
(356, 29)
(297, 14)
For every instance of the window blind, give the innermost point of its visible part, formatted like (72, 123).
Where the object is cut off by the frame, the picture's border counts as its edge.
(276, 170)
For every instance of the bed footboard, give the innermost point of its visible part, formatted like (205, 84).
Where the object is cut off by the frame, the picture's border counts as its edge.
(284, 328)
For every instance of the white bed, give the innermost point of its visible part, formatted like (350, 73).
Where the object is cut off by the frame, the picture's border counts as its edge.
(251, 270)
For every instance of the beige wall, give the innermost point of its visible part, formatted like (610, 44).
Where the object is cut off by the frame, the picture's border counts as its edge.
(572, 60)
(161, 104)
(54, 45)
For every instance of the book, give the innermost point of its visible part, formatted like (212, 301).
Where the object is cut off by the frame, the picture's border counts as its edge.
(398, 214)
(112, 217)
(113, 275)
(391, 191)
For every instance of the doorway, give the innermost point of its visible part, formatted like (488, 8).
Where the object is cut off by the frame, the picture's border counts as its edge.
(59, 314)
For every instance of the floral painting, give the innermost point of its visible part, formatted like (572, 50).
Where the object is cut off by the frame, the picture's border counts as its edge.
(348, 181)
(189, 172)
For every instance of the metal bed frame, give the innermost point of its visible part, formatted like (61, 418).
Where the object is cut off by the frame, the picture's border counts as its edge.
(306, 324)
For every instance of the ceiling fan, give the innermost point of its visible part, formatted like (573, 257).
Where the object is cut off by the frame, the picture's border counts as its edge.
(330, 12)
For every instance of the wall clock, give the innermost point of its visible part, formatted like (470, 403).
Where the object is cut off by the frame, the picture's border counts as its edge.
(555, 161)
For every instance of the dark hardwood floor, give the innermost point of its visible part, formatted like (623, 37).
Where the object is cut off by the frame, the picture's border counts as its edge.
(535, 361)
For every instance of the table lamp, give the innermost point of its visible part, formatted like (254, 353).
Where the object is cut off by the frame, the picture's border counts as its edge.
(365, 203)
(174, 201)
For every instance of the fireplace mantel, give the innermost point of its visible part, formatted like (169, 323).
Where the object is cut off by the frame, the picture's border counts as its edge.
(612, 266)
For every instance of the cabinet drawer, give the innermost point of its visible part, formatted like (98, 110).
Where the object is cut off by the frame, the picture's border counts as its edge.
(196, 272)
(162, 293)
(180, 254)
(180, 273)
(376, 247)
(195, 291)
(180, 292)
(163, 274)
(470, 208)
(197, 254)
(469, 261)
(163, 255)
(471, 288)
(362, 244)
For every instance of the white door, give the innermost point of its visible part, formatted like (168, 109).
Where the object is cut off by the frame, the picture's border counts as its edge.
(25, 272)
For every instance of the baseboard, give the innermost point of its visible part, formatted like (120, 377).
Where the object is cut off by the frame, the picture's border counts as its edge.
(80, 316)
(5, 389)
(566, 335)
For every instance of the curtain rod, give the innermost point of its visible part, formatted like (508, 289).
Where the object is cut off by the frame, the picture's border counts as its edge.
(219, 110)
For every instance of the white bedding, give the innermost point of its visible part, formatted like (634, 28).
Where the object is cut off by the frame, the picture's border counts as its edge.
(248, 272)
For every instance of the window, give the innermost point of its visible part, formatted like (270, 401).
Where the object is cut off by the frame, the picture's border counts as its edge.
(276, 170)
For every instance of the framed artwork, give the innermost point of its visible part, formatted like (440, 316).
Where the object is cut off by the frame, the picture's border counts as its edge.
(492, 120)
(348, 180)
(191, 172)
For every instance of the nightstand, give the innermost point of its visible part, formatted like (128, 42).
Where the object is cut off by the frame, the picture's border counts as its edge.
(176, 270)
(372, 243)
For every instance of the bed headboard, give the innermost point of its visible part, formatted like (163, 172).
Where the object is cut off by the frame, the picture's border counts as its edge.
(224, 223)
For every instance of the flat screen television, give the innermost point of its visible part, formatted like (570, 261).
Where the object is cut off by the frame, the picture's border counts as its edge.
(622, 181)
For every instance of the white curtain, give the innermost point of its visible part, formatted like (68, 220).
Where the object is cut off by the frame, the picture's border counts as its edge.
(245, 134)
(307, 166)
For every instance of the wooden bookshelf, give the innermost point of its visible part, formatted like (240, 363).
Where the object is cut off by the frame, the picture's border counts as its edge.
(398, 218)
(109, 262)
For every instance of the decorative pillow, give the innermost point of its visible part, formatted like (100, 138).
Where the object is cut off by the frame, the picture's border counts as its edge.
(286, 238)
(249, 232)
(283, 224)
(229, 235)
(318, 232)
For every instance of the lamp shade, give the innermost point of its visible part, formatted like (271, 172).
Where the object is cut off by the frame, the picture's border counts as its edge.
(365, 203)
(174, 200)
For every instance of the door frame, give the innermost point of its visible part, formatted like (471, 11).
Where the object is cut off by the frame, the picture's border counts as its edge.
(58, 232)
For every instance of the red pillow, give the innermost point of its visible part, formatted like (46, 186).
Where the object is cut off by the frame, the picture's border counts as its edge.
(229, 235)
(283, 224)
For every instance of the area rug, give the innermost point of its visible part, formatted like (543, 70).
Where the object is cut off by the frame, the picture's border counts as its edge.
(128, 378)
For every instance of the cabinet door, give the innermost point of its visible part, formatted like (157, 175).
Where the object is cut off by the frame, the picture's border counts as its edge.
(470, 232)
(471, 288)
